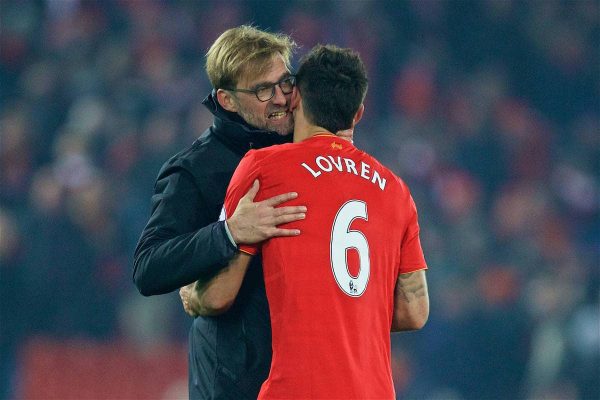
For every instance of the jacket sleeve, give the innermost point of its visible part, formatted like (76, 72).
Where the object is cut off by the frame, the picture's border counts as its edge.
(181, 243)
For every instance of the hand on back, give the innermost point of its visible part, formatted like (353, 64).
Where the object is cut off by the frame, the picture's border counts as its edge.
(252, 222)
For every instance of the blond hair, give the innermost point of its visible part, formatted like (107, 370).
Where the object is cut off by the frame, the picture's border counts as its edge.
(244, 50)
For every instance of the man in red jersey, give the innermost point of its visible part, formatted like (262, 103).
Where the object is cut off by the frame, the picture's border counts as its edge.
(356, 271)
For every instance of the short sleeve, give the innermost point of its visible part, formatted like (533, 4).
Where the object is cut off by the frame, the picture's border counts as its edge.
(241, 182)
(411, 253)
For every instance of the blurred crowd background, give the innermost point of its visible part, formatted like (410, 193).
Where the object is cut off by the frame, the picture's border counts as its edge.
(488, 109)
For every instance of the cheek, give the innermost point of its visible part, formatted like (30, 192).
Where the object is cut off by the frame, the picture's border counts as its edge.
(254, 116)
(256, 110)
(262, 109)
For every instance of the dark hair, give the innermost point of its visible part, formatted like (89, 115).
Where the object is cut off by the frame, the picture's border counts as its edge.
(333, 84)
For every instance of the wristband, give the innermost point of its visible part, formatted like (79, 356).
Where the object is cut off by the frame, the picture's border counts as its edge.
(229, 234)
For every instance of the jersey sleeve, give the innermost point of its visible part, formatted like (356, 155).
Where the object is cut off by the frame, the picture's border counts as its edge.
(241, 181)
(411, 256)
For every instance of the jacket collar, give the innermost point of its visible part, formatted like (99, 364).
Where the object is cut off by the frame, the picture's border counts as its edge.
(237, 133)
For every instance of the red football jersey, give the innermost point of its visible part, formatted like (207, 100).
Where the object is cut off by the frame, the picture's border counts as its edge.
(331, 289)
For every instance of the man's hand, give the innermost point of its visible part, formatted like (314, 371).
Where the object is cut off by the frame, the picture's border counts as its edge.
(254, 222)
(186, 294)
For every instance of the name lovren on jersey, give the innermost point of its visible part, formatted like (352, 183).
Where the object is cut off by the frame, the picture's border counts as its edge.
(343, 164)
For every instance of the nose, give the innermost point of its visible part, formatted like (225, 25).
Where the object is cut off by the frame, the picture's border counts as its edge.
(279, 98)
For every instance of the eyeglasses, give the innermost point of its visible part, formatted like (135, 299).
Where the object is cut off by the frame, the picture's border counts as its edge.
(266, 92)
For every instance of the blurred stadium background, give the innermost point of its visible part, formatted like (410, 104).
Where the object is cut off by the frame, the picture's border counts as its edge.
(489, 110)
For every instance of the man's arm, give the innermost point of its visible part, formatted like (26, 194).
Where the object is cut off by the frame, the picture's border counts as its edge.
(182, 244)
(254, 222)
(411, 302)
(216, 295)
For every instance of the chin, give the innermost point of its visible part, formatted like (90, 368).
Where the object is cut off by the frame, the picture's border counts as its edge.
(284, 128)
(280, 132)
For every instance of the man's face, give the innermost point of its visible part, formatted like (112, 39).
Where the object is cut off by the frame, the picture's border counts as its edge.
(274, 114)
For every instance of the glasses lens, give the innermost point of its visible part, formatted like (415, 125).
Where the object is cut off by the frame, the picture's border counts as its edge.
(287, 85)
(265, 93)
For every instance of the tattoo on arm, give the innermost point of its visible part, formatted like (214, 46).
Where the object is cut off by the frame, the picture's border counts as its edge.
(409, 287)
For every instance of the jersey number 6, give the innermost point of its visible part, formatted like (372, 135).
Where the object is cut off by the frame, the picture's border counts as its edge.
(342, 239)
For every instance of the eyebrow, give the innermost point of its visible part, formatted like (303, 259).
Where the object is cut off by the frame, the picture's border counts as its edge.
(267, 83)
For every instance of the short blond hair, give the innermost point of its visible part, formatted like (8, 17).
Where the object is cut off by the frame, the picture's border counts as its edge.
(244, 50)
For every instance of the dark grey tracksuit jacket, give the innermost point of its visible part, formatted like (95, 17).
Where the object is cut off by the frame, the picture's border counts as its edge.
(229, 355)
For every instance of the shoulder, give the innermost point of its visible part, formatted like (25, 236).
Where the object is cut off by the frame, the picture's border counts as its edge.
(396, 181)
(204, 156)
(271, 152)
(205, 151)
(275, 149)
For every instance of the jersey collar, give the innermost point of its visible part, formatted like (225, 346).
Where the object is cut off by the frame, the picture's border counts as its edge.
(323, 134)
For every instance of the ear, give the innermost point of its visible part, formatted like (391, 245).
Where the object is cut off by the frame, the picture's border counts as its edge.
(358, 116)
(296, 99)
(226, 100)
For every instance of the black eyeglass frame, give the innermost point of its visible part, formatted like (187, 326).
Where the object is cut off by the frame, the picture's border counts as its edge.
(291, 78)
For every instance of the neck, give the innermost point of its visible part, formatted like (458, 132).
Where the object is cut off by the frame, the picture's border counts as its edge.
(303, 135)
(304, 129)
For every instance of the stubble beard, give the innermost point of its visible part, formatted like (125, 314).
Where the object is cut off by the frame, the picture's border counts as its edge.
(261, 122)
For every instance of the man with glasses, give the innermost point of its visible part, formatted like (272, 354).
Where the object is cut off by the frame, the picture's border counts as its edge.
(356, 272)
(229, 355)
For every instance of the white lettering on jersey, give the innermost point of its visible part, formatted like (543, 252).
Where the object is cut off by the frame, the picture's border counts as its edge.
(312, 171)
(350, 166)
(324, 164)
(338, 164)
(364, 170)
(377, 178)
(329, 164)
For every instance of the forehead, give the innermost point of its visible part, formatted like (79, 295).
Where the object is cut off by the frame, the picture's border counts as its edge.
(269, 72)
